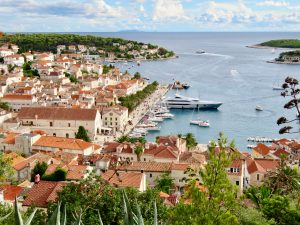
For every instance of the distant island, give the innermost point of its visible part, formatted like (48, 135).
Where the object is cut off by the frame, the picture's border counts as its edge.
(288, 57)
(111, 49)
(280, 43)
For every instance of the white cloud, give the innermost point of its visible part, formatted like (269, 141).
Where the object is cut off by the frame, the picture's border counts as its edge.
(273, 3)
(168, 10)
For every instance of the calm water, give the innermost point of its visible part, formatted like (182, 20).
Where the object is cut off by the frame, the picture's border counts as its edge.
(229, 72)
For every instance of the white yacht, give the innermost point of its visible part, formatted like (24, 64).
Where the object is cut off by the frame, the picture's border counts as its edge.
(259, 108)
(155, 119)
(165, 115)
(201, 123)
(182, 102)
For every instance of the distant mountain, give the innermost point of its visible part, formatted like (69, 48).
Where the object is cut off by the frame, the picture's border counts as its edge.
(131, 31)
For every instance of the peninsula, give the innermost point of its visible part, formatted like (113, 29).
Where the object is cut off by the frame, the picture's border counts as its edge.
(107, 49)
(279, 43)
(287, 57)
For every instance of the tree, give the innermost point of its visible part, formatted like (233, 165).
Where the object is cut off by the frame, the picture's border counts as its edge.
(4, 106)
(164, 183)
(94, 194)
(83, 134)
(137, 76)
(214, 200)
(58, 175)
(190, 141)
(138, 150)
(292, 90)
(278, 208)
(284, 179)
(39, 168)
(6, 169)
(258, 194)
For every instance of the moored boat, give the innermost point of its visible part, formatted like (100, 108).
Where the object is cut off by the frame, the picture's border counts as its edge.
(182, 102)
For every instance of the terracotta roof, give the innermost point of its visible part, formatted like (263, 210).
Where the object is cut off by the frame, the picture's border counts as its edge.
(177, 166)
(280, 152)
(17, 96)
(162, 151)
(11, 191)
(125, 179)
(10, 138)
(76, 172)
(262, 149)
(62, 143)
(42, 193)
(261, 165)
(57, 113)
(147, 167)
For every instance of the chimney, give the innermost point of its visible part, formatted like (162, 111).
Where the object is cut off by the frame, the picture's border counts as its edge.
(37, 179)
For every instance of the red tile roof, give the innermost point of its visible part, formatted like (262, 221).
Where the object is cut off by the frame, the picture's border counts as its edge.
(61, 143)
(17, 96)
(42, 193)
(125, 179)
(147, 167)
(280, 152)
(11, 191)
(262, 149)
(57, 113)
(261, 165)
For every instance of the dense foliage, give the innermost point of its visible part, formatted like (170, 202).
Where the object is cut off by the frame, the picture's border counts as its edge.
(94, 194)
(165, 183)
(39, 168)
(49, 42)
(122, 139)
(6, 169)
(58, 175)
(282, 43)
(82, 134)
(290, 53)
(28, 71)
(213, 201)
(133, 100)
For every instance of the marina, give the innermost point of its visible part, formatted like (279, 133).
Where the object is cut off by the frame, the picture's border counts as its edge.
(228, 72)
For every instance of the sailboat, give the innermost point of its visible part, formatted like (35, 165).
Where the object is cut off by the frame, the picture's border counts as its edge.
(199, 122)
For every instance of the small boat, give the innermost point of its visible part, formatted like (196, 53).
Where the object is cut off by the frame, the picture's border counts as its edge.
(259, 108)
(165, 115)
(200, 51)
(186, 86)
(155, 119)
(204, 124)
(146, 78)
(146, 125)
(135, 135)
(156, 128)
(201, 123)
(138, 63)
(273, 51)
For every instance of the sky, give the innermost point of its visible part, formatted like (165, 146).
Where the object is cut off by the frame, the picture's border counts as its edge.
(149, 15)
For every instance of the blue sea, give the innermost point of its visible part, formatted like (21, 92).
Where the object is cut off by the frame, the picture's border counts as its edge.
(229, 72)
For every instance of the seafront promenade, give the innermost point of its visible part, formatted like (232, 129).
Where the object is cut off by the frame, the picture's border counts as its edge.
(139, 112)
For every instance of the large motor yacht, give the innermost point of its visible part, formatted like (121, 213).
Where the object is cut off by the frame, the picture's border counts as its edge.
(182, 102)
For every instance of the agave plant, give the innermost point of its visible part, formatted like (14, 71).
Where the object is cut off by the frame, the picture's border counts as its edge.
(130, 218)
(56, 218)
(6, 216)
(18, 216)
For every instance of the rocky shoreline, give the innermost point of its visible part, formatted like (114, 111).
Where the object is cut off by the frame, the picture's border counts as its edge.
(269, 47)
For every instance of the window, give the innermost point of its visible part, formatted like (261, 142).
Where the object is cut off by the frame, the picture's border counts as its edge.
(150, 175)
(111, 124)
(116, 124)
(54, 134)
(231, 170)
(116, 118)
(51, 124)
(257, 176)
(145, 159)
(105, 124)
(67, 135)
(69, 124)
(237, 183)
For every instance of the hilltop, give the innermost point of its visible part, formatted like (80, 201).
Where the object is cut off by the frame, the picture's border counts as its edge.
(119, 48)
(279, 43)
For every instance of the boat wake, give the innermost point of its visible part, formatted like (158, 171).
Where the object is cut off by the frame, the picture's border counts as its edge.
(209, 54)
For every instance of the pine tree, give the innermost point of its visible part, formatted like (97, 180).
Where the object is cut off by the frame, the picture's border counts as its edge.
(82, 134)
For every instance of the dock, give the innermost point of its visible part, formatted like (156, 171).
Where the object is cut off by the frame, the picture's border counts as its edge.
(139, 112)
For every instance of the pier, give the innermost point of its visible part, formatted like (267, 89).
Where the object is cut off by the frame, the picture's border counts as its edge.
(139, 112)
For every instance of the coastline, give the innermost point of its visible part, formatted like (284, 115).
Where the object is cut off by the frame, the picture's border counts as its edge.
(141, 60)
(269, 47)
(278, 62)
(141, 110)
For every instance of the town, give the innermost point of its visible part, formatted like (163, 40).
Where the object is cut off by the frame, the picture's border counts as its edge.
(63, 110)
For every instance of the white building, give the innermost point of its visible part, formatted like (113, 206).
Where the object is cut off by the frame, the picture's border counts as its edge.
(61, 122)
